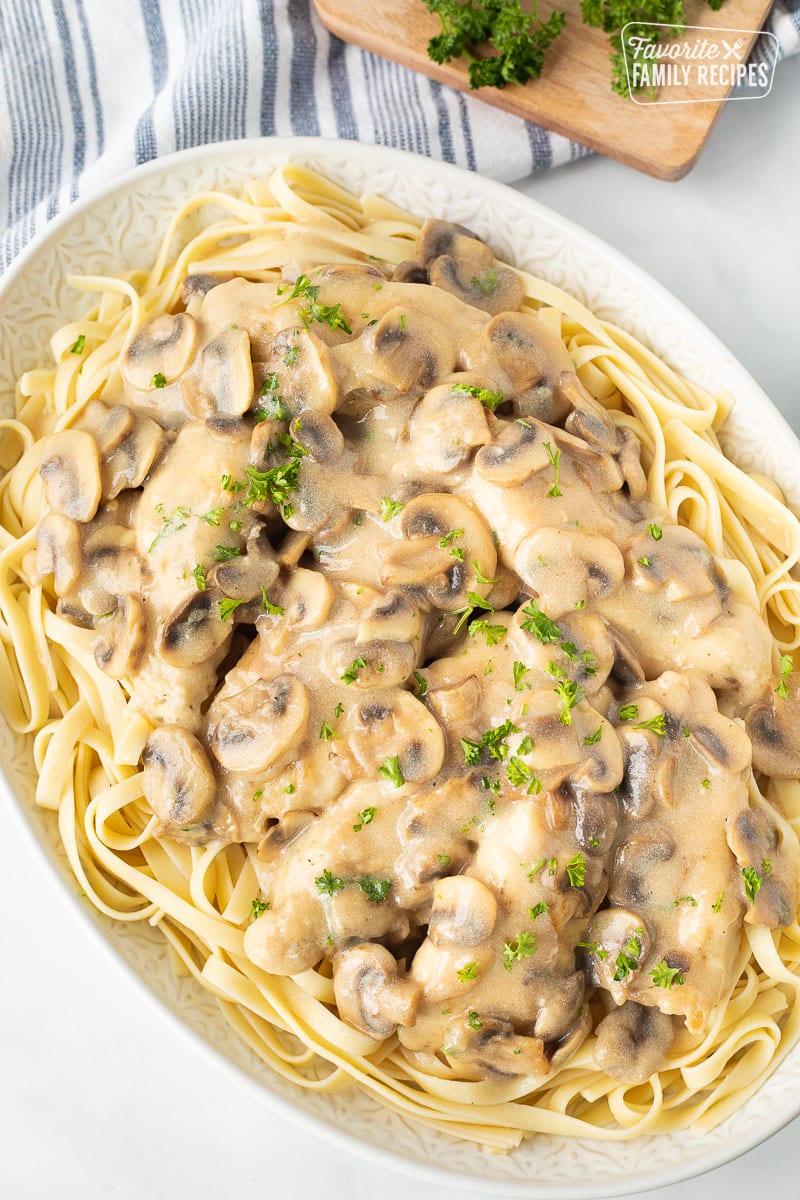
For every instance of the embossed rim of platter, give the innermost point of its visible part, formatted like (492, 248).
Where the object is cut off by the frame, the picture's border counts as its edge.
(613, 288)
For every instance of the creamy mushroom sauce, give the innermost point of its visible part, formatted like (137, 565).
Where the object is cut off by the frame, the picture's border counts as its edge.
(387, 582)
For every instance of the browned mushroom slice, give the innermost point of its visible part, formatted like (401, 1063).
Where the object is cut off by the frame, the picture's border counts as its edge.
(445, 427)
(526, 351)
(307, 599)
(679, 563)
(394, 724)
(242, 576)
(120, 645)
(302, 364)
(129, 464)
(633, 1042)
(111, 561)
(634, 861)
(372, 993)
(567, 566)
(226, 377)
(481, 1045)
(70, 471)
(769, 867)
(199, 285)
(252, 729)
(433, 525)
(620, 944)
(409, 349)
(438, 237)
(194, 631)
(108, 426)
(516, 453)
(288, 940)
(393, 617)
(319, 436)
(58, 552)
(178, 782)
(409, 271)
(773, 726)
(471, 273)
(160, 352)
(378, 664)
(588, 420)
(276, 839)
(464, 912)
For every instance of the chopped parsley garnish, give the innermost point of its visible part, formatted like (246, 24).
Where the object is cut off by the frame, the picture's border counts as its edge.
(450, 537)
(492, 633)
(325, 314)
(226, 553)
(376, 890)
(534, 870)
(277, 483)
(481, 578)
(594, 948)
(555, 462)
(486, 282)
(390, 508)
(644, 561)
(259, 907)
(329, 884)
(350, 674)
(158, 380)
(787, 666)
(467, 972)
(473, 1020)
(717, 905)
(391, 771)
(520, 671)
(629, 712)
(519, 38)
(540, 625)
(627, 961)
(338, 710)
(520, 775)
(199, 576)
(171, 524)
(303, 289)
(227, 607)
(274, 610)
(664, 976)
(684, 900)
(290, 357)
(523, 946)
(443, 860)
(422, 684)
(570, 694)
(656, 725)
(576, 870)
(326, 734)
(472, 752)
(752, 883)
(656, 532)
(489, 399)
(229, 485)
(705, 783)
(494, 739)
(538, 910)
(465, 612)
(592, 739)
(79, 345)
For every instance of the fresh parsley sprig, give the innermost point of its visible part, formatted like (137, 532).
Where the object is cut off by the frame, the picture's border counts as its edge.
(519, 38)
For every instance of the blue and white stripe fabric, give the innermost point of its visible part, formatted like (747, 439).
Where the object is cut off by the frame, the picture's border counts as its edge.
(92, 87)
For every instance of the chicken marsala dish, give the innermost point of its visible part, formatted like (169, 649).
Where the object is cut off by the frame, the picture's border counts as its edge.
(386, 580)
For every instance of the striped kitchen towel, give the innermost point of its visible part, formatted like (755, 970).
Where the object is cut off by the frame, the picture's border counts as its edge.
(92, 87)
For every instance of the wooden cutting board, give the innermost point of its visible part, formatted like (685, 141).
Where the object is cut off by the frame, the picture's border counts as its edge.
(573, 96)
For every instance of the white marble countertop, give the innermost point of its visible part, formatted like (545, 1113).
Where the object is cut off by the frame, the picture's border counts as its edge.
(99, 1098)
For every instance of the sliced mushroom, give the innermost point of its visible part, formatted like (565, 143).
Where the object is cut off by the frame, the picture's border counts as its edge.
(195, 631)
(129, 464)
(120, 645)
(287, 940)
(70, 471)
(445, 427)
(633, 1042)
(492, 1049)
(432, 526)
(200, 285)
(525, 351)
(393, 616)
(515, 454)
(58, 552)
(380, 664)
(773, 726)
(108, 426)
(769, 864)
(304, 369)
(252, 729)
(623, 937)
(456, 705)
(634, 861)
(319, 435)
(409, 349)
(177, 779)
(225, 379)
(111, 560)
(464, 912)
(567, 566)
(409, 271)
(372, 993)
(395, 724)
(163, 347)
(679, 564)
(243, 576)
(471, 273)
(307, 600)
(436, 238)
(588, 420)
(276, 839)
